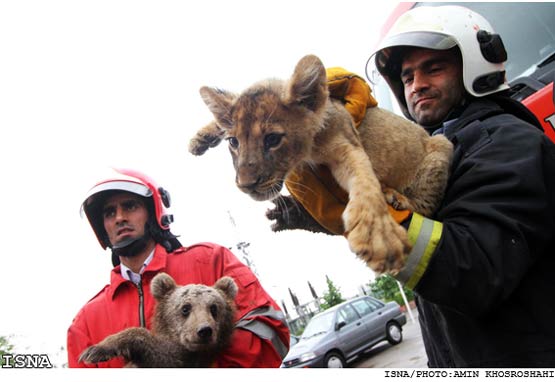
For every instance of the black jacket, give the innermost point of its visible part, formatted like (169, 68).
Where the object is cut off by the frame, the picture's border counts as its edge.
(487, 297)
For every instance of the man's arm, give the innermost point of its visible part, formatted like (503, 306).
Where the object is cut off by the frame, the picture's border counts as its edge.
(495, 219)
(77, 342)
(261, 336)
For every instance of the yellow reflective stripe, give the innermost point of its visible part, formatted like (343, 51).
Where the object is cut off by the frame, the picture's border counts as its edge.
(434, 237)
(415, 227)
(424, 234)
(417, 241)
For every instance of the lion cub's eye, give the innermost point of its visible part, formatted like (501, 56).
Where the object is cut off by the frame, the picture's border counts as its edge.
(186, 310)
(233, 142)
(272, 140)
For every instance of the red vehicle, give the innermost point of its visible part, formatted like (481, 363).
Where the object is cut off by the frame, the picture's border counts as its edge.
(528, 33)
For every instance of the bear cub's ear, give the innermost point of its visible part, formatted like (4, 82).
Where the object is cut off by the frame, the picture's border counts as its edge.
(227, 286)
(162, 284)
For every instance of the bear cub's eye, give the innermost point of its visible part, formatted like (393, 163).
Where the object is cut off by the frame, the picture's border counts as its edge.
(186, 310)
(214, 310)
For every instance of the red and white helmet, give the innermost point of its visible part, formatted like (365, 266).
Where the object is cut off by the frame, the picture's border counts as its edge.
(442, 28)
(130, 181)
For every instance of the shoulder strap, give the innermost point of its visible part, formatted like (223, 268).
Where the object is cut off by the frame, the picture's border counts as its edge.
(516, 108)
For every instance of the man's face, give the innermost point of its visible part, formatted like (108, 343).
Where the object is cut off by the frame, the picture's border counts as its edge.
(433, 84)
(125, 215)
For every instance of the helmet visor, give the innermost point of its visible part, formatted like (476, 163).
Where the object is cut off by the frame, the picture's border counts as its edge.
(135, 188)
(429, 40)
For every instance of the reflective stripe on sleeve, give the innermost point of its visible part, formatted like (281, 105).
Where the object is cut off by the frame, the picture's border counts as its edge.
(424, 234)
(262, 329)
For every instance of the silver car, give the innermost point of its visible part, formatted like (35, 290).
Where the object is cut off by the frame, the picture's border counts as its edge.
(338, 335)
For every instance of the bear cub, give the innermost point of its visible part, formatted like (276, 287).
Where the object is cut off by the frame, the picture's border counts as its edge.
(192, 324)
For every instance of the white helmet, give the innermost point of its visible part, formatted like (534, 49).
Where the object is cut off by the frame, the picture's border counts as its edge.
(442, 28)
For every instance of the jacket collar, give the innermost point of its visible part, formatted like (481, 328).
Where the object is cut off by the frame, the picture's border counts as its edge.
(482, 108)
(479, 109)
(157, 264)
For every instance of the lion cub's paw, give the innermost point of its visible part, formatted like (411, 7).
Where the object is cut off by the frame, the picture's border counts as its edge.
(197, 146)
(377, 240)
(200, 143)
(209, 136)
(95, 354)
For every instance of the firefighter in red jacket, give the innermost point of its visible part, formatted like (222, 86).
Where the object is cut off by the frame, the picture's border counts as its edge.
(128, 214)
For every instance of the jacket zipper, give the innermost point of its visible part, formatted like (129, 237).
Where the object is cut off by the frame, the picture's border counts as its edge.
(141, 304)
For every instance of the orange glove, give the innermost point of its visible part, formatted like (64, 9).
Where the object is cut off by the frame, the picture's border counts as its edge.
(398, 215)
(324, 199)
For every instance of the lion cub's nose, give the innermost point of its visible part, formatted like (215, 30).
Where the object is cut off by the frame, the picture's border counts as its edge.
(248, 183)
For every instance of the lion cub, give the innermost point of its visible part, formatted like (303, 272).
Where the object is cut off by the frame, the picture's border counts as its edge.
(275, 126)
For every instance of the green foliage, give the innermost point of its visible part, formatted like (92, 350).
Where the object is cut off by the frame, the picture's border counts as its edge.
(299, 331)
(386, 289)
(5, 348)
(332, 296)
(398, 297)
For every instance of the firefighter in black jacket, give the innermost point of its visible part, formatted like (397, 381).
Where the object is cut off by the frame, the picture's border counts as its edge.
(483, 267)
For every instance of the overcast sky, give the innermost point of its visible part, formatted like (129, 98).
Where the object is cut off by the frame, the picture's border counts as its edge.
(89, 85)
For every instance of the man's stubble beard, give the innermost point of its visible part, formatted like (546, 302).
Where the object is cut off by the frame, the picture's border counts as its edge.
(132, 247)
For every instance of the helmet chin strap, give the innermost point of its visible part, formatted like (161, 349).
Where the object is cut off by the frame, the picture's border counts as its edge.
(124, 243)
(131, 247)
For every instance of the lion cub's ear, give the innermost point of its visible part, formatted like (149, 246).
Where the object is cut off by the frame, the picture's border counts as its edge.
(308, 85)
(219, 102)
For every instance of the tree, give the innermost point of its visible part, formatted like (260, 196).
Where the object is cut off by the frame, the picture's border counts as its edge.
(386, 288)
(332, 296)
(5, 348)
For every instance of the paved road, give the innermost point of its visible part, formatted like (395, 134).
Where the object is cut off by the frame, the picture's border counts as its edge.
(409, 353)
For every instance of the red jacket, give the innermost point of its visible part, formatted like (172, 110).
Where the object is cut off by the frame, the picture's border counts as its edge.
(118, 306)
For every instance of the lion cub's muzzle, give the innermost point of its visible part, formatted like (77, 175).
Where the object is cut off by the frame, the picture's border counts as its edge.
(259, 189)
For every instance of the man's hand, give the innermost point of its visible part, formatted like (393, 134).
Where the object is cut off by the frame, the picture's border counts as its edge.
(398, 215)
(290, 214)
